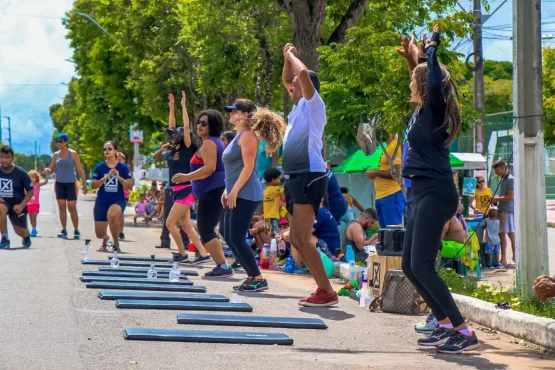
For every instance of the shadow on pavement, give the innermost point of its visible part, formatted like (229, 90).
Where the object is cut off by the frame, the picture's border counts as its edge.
(268, 295)
(328, 313)
(467, 359)
(338, 351)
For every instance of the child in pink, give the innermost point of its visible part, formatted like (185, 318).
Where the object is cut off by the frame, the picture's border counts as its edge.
(141, 208)
(33, 207)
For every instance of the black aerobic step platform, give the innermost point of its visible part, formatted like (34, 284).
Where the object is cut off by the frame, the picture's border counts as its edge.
(143, 259)
(108, 279)
(205, 336)
(145, 270)
(102, 274)
(155, 287)
(126, 263)
(161, 296)
(184, 305)
(256, 321)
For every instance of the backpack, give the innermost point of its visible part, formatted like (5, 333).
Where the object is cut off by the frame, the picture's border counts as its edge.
(398, 295)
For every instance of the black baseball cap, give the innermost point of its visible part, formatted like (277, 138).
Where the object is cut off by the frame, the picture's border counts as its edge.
(238, 106)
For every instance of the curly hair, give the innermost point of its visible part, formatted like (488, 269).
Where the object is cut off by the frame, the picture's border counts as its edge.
(34, 175)
(268, 126)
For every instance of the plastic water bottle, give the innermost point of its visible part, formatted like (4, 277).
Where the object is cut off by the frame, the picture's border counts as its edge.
(349, 254)
(152, 273)
(289, 265)
(175, 273)
(273, 255)
(114, 262)
(235, 298)
(265, 254)
(363, 290)
(85, 252)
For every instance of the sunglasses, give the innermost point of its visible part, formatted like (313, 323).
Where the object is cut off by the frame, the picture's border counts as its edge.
(108, 149)
(481, 181)
(202, 123)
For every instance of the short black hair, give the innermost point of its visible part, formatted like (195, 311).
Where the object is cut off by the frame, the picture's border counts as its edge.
(499, 163)
(315, 80)
(271, 174)
(6, 149)
(215, 121)
(344, 190)
(229, 136)
(371, 212)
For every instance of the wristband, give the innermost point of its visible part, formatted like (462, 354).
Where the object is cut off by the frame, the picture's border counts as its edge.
(436, 38)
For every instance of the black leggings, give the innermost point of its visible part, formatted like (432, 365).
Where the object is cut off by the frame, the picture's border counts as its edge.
(209, 209)
(435, 202)
(235, 226)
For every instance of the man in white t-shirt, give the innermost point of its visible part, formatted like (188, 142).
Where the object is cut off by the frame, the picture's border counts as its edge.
(305, 170)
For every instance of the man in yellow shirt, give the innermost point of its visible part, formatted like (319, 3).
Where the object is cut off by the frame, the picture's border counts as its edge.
(390, 200)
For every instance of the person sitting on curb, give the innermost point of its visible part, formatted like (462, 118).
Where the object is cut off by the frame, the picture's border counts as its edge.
(355, 233)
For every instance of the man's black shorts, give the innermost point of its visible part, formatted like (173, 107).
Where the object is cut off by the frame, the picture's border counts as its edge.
(305, 188)
(17, 220)
(66, 190)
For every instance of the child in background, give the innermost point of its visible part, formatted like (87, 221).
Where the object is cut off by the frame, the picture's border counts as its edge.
(271, 204)
(141, 209)
(227, 137)
(33, 207)
(492, 238)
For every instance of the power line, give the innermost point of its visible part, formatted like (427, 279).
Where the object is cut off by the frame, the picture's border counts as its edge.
(31, 15)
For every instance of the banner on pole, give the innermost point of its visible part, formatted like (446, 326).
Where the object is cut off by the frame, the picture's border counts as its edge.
(135, 135)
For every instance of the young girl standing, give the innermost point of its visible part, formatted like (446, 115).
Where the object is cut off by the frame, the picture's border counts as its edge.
(33, 207)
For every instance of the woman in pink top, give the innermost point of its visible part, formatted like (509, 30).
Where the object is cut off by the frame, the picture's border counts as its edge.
(33, 207)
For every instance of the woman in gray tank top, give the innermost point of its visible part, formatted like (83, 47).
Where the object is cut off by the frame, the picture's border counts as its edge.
(243, 190)
(64, 164)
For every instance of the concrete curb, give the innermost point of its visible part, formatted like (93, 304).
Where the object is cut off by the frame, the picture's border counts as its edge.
(534, 329)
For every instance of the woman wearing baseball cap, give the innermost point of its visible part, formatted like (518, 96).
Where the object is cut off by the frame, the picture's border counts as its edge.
(64, 164)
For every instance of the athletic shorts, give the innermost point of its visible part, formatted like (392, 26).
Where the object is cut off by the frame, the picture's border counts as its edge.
(305, 188)
(65, 190)
(491, 249)
(17, 220)
(506, 222)
(183, 194)
(33, 208)
(390, 209)
(271, 226)
(101, 210)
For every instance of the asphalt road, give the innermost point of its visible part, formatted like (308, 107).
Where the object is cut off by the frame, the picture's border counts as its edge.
(49, 320)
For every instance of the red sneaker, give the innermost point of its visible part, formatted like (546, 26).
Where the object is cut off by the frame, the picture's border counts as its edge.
(320, 298)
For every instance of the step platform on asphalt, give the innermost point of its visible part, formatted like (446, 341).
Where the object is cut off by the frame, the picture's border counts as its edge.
(255, 321)
(101, 274)
(161, 296)
(155, 287)
(108, 279)
(206, 336)
(144, 259)
(183, 305)
(145, 270)
(126, 263)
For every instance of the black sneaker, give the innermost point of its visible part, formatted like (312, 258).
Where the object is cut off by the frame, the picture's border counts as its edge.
(219, 271)
(238, 287)
(121, 236)
(200, 259)
(27, 242)
(235, 265)
(459, 343)
(178, 257)
(62, 234)
(254, 285)
(438, 337)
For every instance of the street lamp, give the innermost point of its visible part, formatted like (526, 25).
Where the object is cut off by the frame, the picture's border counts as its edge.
(86, 16)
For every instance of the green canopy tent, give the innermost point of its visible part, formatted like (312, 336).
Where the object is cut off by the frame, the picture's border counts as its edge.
(359, 162)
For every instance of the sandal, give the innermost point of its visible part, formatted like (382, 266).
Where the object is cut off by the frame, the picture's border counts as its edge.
(103, 248)
(116, 248)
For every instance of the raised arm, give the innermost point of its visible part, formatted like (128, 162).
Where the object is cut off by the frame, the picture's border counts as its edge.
(409, 51)
(287, 73)
(186, 126)
(209, 154)
(301, 72)
(434, 87)
(46, 175)
(52, 167)
(159, 155)
(171, 118)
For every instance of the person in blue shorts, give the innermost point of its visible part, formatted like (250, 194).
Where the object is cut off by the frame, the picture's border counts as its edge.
(110, 177)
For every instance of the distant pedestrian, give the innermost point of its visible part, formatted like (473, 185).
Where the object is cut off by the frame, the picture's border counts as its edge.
(33, 207)
(480, 202)
(64, 164)
(506, 208)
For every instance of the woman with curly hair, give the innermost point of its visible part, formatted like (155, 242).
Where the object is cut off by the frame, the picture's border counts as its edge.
(243, 190)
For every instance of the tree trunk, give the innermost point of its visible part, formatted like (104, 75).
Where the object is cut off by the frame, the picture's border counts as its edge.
(269, 58)
(307, 17)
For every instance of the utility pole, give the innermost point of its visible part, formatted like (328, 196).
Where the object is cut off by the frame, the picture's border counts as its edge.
(9, 130)
(479, 130)
(528, 147)
(0, 124)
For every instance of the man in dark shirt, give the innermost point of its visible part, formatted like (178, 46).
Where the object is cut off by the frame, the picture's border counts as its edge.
(16, 190)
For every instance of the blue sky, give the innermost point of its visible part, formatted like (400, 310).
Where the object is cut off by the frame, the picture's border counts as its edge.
(34, 49)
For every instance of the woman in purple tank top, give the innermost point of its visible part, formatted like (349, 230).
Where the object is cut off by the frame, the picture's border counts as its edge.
(207, 177)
